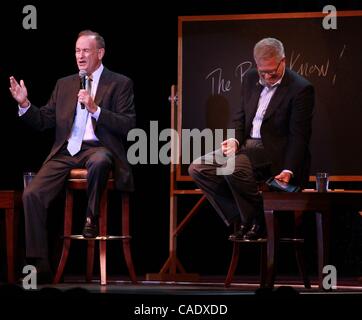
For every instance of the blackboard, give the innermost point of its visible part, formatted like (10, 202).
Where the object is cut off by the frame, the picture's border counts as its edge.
(215, 52)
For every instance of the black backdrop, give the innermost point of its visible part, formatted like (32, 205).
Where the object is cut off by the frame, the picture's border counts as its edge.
(141, 42)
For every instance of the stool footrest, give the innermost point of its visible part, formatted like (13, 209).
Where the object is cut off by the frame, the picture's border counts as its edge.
(80, 237)
(262, 240)
(298, 240)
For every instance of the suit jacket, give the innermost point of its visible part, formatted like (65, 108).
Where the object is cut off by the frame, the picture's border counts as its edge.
(115, 98)
(287, 123)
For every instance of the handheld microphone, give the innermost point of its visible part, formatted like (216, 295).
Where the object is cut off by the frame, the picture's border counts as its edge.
(82, 76)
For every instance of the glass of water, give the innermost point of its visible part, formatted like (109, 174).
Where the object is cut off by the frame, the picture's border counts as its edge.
(322, 181)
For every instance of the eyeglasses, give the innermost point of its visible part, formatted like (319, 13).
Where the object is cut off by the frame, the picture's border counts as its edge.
(272, 72)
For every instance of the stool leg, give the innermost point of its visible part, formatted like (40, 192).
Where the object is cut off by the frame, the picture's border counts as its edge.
(103, 233)
(102, 257)
(10, 227)
(233, 264)
(234, 260)
(126, 240)
(90, 260)
(67, 233)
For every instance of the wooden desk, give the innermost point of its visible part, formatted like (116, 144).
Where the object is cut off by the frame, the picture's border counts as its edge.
(10, 201)
(318, 203)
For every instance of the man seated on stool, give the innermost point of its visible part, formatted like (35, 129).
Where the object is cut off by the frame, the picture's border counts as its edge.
(272, 133)
(91, 124)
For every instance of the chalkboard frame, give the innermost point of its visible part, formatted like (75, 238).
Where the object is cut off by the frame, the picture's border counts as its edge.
(177, 120)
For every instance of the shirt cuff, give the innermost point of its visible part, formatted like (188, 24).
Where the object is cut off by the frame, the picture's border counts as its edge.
(288, 171)
(96, 114)
(237, 142)
(22, 111)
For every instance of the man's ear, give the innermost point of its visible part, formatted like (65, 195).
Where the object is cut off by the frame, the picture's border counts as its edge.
(101, 53)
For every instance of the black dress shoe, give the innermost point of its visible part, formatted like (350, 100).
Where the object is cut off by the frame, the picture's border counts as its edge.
(239, 235)
(256, 232)
(90, 229)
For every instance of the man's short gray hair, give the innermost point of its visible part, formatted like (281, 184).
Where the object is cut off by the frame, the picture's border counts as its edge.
(268, 48)
(99, 39)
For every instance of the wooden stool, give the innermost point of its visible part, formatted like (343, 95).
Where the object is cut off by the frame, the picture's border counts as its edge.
(269, 248)
(78, 181)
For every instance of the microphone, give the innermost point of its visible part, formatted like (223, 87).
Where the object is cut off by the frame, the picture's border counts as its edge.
(82, 76)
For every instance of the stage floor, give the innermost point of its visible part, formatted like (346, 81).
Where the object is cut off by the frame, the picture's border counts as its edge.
(208, 298)
(209, 285)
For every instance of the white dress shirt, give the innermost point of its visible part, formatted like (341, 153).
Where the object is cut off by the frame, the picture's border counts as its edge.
(263, 103)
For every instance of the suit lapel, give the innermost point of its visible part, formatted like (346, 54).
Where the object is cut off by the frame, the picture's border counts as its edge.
(72, 103)
(278, 96)
(252, 106)
(102, 86)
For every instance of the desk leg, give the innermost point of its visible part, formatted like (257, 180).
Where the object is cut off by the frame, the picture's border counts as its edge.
(10, 235)
(272, 238)
(322, 224)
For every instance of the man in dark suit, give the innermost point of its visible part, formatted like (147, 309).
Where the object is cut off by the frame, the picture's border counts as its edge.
(91, 125)
(272, 133)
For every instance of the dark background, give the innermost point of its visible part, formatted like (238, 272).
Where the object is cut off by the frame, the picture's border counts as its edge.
(141, 42)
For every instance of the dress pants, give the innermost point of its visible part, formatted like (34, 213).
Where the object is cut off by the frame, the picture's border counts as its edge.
(234, 196)
(50, 180)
